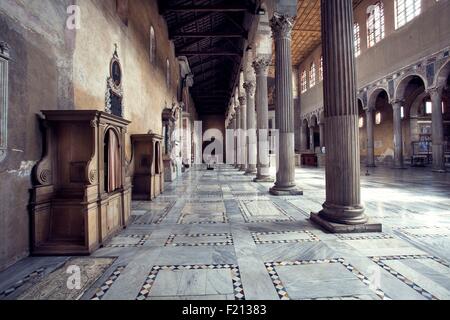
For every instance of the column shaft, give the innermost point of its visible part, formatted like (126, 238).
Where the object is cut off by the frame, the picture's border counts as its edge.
(262, 113)
(284, 115)
(322, 135)
(243, 113)
(238, 138)
(398, 134)
(342, 210)
(311, 138)
(249, 87)
(370, 138)
(437, 130)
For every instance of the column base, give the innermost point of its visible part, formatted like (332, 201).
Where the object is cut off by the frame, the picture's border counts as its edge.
(371, 166)
(263, 179)
(333, 227)
(400, 168)
(439, 170)
(250, 173)
(285, 191)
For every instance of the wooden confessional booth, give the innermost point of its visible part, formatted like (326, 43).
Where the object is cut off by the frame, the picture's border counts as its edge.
(147, 162)
(80, 198)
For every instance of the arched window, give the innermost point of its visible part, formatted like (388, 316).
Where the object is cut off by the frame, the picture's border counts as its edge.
(406, 10)
(378, 118)
(152, 45)
(375, 24)
(357, 36)
(168, 73)
(321, 69)
(312, 75)
(304, 82)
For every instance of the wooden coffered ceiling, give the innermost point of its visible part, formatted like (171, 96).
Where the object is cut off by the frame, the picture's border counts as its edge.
(306, 34)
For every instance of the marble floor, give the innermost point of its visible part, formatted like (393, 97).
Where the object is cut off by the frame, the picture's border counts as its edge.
(217, 235)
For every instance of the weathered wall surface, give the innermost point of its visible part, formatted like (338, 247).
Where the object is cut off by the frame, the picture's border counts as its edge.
(144, 83)
(53, 67)
(40, 72)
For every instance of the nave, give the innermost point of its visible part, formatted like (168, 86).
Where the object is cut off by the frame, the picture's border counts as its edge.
(216, 235)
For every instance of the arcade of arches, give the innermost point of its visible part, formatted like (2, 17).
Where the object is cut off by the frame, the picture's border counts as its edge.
(225, 150)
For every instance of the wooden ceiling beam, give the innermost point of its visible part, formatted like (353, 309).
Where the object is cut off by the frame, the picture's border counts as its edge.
(213, 34)
(209, 8)
(208, 54)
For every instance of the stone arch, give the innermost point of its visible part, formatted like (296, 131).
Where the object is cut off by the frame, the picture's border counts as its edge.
(443, 75)
(371, 104)
(403, 83)
(313, 120)
(360, 102)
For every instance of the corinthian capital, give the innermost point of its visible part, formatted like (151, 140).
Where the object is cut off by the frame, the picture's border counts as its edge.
(242, 101)
(435, 91)
(250, 88)
(4, 49)
(281, 25)
(261, 64)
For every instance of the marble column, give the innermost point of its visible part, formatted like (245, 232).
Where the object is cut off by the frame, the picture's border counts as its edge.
(233, 127)
(370, 138)
(261, 65)
(343, 210)
(250, 88)
(437, 130)
(238, 138)
(398, 134)
(311, 138)
(243, 113)
(284, 113)
(322, 134)
(305, 146)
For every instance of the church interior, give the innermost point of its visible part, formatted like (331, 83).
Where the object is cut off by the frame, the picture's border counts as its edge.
(225, 150)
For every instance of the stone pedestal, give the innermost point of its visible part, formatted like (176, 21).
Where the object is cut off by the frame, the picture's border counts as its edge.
(263, 166)
(285, 183)
(342, 210)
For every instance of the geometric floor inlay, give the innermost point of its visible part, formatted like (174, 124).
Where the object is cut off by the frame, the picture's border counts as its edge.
(203, 213)
(425, 231)
(128, 241)
(193, 280)
(255, 211)
(394, 265)
(100, 292)
(321, 279)
(284, 237)
(364, 236)
(200, 240)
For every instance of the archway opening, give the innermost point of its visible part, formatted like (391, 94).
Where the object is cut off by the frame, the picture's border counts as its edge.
(383, 128)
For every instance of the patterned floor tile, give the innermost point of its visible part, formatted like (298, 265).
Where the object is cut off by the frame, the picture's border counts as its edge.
(200, 240)
(283, 293)
(235, 277)
(284, 237)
